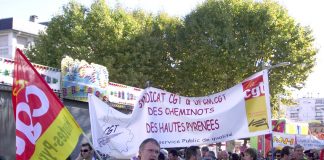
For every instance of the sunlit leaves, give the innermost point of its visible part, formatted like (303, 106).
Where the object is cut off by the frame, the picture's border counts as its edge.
(214, 47)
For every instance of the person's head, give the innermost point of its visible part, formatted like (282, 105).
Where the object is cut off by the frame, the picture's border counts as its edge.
(182, 153)
(149, 149)
(165, 152)
(299, 151)
(235, 156)
(161, 156)
(86, 150)
(269, 155)
(309, 154)
(286, 153)
(316, 153)
(193, 153)
(211, 155)
(250, 154)
(204, 151)
(173, 155)
(277, 154)
(223, 155)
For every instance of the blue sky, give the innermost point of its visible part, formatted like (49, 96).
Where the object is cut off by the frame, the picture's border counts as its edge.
(307, 12)
(45, 9)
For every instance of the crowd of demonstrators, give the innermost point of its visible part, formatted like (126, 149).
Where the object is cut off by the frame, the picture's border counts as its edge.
(294, 153)
(150, 149)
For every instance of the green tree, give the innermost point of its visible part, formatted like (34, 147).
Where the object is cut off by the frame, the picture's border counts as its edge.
(216, 46)
(65, 35)
(226, 41)
(134, 46)
(150, 51)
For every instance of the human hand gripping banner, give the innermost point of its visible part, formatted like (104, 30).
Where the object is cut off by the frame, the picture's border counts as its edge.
(44, 127)
(177, 121)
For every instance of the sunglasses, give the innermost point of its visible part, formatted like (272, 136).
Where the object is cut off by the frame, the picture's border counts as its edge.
(84, 150)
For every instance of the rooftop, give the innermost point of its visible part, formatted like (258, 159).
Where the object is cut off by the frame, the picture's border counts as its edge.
(22, 26)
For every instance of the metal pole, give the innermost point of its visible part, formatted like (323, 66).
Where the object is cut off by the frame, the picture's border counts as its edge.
(279, 107)
(148, 84)
(268, 68)
(282, 64)
(271, 148)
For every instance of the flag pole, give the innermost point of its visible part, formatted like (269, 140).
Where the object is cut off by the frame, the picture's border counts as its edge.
(92, 146)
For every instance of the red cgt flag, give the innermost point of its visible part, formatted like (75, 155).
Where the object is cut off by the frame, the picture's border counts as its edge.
(45, 129)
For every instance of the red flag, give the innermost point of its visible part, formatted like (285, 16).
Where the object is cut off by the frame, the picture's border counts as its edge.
(44, 127)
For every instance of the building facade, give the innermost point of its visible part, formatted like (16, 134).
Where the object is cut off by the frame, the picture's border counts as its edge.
(307, 109)
(319, 109)
(16, 33)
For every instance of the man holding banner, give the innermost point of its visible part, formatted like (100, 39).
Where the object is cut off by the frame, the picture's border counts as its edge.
(45, 129)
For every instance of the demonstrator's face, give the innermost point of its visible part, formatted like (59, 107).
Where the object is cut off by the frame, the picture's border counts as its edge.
(85, 152)
(150, 151)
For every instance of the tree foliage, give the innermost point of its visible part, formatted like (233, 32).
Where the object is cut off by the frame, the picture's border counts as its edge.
(134, 46)
(226, 41)
(214, 47)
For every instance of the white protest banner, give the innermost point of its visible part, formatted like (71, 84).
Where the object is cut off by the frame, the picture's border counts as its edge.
(280, 140)
(309, 142)
(177, 121)
(122, 94)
